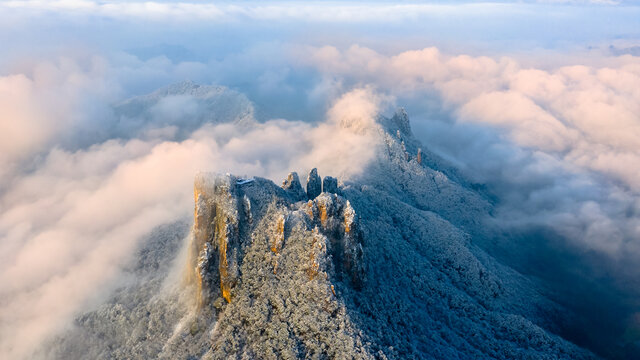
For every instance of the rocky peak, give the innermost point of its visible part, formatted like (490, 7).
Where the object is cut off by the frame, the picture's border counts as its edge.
(230, 213)
(336, 219)
(314, 184)
(292, 185)
(401, 118)
(330, 185)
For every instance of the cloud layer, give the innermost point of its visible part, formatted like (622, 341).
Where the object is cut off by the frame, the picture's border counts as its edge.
(550, 132)
(75, 217)
(555, 136)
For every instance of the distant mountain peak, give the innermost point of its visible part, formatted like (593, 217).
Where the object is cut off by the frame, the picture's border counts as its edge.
(185, 105)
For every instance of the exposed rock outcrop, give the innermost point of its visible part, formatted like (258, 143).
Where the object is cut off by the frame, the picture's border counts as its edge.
(224, 223)
(402, 121)
(292, 185)
(314, 184)
(216, 234)
(337, 220)
(330, 185)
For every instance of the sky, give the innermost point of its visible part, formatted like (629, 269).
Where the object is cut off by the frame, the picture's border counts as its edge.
(537, 99)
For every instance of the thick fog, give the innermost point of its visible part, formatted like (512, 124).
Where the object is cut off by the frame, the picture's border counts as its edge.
(539, 101)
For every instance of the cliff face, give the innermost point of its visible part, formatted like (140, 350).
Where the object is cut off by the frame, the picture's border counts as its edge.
(275, 259)
(219, 213)
(224, 228)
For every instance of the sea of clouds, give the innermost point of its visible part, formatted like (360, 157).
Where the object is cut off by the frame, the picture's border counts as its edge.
(539, 107)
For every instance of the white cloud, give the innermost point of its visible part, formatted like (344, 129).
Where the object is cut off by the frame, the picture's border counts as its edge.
(38, 106)
(560, 142)
(573, 112)
(567, 152)
(72, 215)
(70, 224)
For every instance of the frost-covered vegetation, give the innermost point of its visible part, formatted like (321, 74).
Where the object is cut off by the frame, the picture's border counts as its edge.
(381, 266)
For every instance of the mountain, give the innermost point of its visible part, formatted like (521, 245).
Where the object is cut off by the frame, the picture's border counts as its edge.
(382, 265)
(184, 105)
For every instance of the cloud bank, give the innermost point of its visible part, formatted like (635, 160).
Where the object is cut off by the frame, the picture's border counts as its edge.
(557, 145)
(82, 179)
(574, 125)
(74, 218)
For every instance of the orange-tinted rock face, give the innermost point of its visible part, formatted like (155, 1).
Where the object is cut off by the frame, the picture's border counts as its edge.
(215, 231)
(322, 208)
(223, 224)
(337, 219)
(309, 209)
(222, 240)
(278, 239)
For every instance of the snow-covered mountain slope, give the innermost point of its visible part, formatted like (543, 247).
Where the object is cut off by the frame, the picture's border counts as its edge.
(182, 107)
(381, 265)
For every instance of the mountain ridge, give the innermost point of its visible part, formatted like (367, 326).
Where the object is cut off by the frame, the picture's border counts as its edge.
(423, 288)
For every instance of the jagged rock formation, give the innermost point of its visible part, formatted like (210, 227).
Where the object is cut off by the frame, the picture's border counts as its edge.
(292, 185)
(336, 218)
(314, 184)
(385, 263)
(223, 226)
(401, 118)
(330, 185)
(310, 244)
